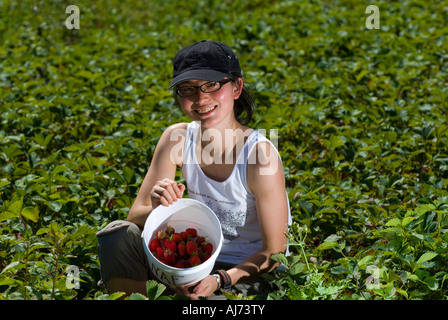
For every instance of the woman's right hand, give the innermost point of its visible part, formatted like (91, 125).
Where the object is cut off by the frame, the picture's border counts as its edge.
(166, 192)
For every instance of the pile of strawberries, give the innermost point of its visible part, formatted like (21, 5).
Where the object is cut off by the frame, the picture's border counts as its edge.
(180, 249)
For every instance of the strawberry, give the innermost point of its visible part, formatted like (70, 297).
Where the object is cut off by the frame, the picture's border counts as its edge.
(169, 257)
(191, 247)
(181, 249)
(161, 234)
(207, 247)
(179, 264)
(200, 240)
(169, 230)
(195, 260)
(170, 245)
(177, 238)
(154, 244)
(185, 235)
(159, 252)
(205, 257)
(192, 232)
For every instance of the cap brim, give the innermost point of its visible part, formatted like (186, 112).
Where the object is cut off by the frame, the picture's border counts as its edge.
(201, 74)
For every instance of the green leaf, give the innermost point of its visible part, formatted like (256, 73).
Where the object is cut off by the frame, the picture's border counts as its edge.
(7, 215)
(31, 213)
(128, 174)
(154, 289)
(393, 222)
(364, 261)
(280, 257)
(426, 257)
(432, 283)
(327, 245)
(55, 206)
(406, 221)
(137, 296)
(333, 143)
(6, 281)
(15, 207)
(116, 295)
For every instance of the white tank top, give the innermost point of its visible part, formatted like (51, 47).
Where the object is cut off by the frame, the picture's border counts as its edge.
(231, 199)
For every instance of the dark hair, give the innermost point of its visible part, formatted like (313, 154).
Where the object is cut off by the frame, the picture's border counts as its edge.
(244, 106)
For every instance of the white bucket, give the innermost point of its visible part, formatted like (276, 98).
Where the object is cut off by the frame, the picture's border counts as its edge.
(182, 214)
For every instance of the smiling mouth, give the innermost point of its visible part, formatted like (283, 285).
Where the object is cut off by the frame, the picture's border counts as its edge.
(205, 110)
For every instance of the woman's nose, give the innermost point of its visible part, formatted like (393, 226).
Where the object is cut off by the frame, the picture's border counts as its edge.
(200, 97)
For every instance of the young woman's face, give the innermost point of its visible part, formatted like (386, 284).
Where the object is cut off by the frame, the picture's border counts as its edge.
(212, 109)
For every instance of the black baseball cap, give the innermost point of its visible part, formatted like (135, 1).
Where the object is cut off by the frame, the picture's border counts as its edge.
(205, 60)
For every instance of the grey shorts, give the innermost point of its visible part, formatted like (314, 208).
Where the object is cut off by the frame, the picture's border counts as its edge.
(121, 255)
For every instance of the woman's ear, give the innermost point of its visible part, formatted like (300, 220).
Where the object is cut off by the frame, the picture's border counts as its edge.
(237, 88)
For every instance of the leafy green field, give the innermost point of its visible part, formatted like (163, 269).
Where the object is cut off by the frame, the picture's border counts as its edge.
(361, 119)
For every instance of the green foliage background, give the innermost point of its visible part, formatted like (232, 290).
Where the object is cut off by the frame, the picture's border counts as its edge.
(360, 114)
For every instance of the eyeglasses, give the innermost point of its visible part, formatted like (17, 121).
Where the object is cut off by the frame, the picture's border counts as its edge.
(207, 87)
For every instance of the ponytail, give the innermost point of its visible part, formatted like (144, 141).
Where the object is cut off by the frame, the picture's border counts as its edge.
(244, 106)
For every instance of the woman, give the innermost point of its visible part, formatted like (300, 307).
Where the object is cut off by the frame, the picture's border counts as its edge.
(230, 167)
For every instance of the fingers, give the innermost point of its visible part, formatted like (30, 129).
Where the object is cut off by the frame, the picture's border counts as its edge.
(182, 291)
(166, 192)
(205, 288)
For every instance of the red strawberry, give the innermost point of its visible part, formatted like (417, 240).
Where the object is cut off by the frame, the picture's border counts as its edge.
(169, 229)
(181, 249)
(205, 257)
(200, 240)
(192, 232)
(207, 247)
(169, 257)
(195, 260)
(191, 247)
(161, 234)
(179, 264)
(159, 252)
(154, 244)
(185, 235)
(177, 238)
(170, 245)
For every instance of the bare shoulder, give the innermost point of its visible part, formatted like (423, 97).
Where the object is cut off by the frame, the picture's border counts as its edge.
(172, 142)
(264, 168)
(177, 128)
(173, 133)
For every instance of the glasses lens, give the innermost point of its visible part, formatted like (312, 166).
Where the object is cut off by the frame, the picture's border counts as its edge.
(186, 91)
(210, 86)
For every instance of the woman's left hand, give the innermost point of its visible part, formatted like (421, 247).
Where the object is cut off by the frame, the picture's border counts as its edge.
(204, 288)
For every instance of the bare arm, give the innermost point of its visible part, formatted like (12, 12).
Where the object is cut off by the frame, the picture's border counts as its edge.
(267, 183)
(158, 186)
